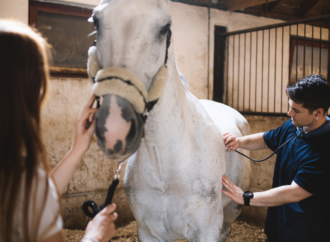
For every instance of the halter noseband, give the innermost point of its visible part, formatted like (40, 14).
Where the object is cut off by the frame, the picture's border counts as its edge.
(121, 82)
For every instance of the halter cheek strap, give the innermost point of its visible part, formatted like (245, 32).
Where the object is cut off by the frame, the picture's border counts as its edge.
(123, 83)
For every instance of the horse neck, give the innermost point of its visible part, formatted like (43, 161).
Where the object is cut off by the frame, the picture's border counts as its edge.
(168, 116)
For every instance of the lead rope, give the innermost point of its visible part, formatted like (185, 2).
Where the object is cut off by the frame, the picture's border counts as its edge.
(91, 205)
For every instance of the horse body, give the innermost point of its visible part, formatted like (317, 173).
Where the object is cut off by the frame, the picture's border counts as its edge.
(173, 181)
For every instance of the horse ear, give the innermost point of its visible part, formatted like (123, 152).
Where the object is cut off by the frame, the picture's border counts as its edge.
(163, 3)
(105, 1)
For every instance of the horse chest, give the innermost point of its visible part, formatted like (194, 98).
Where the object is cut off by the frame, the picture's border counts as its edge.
(170, 194)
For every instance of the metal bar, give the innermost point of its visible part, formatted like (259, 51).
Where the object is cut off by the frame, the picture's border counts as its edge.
(262, 70)
(300, 21)
(290, 64)
(275, 70)
(244, 71)
(328, 66)
(239, 67)
(297, 55)
(313, 46)
(320, 50)
(304, 61)
(227, 61)
(268, 70)
(328, 55)
(282, 69)
(233, 80)
(265, 114)
(250, 71)
(255, 84)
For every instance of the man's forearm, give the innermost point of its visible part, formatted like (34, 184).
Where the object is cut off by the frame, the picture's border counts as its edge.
(253, 142)
(279, 196)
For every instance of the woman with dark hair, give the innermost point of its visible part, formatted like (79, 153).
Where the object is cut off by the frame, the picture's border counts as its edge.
(29, 200)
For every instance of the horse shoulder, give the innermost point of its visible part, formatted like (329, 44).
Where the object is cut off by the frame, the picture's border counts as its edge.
(225, 118)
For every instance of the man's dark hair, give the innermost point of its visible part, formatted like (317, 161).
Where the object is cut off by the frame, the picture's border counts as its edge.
(312, 92)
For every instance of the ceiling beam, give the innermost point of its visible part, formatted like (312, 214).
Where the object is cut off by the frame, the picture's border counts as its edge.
(271, 15)
(308, 6)
(274, 5)
(233, 5)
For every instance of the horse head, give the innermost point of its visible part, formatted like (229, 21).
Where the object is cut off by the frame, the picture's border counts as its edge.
(128, 67)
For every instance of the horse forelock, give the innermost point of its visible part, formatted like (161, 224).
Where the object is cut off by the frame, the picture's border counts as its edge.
(129, 36)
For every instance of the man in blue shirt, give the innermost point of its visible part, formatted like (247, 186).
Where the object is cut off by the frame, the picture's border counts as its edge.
(299, 202)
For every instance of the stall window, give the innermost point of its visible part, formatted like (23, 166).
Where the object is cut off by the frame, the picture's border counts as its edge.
(315, 60)
(68, 32)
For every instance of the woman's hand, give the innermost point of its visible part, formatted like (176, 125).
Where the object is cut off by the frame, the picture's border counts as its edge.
(85, 127)
(231, 141)
(234, 192)
(102, 227)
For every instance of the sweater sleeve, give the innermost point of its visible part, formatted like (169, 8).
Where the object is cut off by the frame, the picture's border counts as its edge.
(48, 208)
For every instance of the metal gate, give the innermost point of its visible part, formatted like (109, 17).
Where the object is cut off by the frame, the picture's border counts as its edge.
(258, 63)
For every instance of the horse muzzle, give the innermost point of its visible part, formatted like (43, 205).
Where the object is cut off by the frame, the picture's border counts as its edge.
(118, 128)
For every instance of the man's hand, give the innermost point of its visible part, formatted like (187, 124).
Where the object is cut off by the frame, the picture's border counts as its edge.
(231, 141)
(234, 192)
(248, 142)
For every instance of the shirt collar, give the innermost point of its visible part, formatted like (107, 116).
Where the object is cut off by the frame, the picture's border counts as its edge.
(324, 128)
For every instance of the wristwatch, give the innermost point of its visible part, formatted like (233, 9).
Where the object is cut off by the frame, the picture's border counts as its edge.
(247, 196)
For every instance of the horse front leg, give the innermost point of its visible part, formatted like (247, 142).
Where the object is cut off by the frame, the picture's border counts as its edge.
(230, 213)
(206, 230)
(211, 235)
(145, 235)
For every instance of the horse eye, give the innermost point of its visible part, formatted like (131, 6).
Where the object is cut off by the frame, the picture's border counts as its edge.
(165, 28)
(96, 22)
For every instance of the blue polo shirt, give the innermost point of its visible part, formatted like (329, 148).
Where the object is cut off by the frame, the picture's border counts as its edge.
(305, 160)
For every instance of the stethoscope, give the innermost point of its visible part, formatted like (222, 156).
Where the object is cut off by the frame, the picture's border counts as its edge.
(302, 132)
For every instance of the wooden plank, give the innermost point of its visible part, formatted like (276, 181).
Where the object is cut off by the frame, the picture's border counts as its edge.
(233, 5)
(68, 72)
(308, 6)
(33, 16)
(61, 9)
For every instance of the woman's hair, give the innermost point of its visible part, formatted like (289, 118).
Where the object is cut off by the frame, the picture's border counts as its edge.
(24, 86)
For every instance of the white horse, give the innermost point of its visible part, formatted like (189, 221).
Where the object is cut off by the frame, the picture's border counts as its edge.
(173, 180)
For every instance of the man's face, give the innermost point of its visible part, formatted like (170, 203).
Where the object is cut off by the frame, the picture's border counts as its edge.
(300, 116)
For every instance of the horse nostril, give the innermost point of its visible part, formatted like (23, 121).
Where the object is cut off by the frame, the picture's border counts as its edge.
(135, 134)
(132, 131)
(96, 22)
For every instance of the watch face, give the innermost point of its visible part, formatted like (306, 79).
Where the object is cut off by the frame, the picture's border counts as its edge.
(248, 194)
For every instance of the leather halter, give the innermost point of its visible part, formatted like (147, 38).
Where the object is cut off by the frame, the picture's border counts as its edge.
(148, 104)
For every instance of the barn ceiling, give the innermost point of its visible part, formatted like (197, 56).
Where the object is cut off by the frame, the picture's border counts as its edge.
(280, 9)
